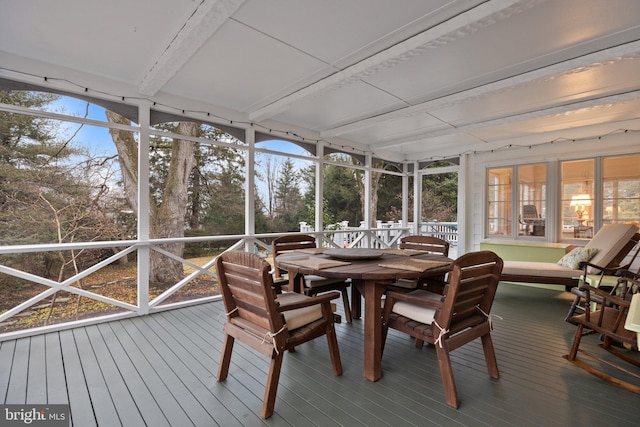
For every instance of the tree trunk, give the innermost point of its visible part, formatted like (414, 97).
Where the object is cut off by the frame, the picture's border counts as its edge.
(375, 183)
(196, 203)
(167, 219)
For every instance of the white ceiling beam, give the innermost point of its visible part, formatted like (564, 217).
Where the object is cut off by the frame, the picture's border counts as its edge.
(199, 27)
(619, 53)
(547, 112)
(459, 26)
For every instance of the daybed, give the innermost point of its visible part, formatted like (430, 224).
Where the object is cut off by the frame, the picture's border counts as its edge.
(613, 242)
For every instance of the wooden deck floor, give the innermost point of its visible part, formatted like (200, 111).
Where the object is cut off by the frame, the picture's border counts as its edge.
(160, 370)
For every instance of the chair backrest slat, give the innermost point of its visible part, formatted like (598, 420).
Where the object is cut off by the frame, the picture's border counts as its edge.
(473, 282)
(430, 244)
(288, 243)
(247, 290)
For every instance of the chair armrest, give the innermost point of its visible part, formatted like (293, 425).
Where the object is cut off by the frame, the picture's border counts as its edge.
(603, 270)
(629, 274)
(311, 301)
(606, 297)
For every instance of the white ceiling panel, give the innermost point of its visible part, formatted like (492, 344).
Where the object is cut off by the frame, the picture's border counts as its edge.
(336, 31)
(479, 52)
(600, 114)
(239, 78)
(337, 107)
(115, 38)
(409, 126)
(598, 79)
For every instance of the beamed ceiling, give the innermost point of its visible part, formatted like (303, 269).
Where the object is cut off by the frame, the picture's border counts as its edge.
(404, 79)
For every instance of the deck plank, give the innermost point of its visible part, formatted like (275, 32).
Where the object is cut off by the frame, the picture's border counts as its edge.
(7, 350)
(146, 372)
(79, 399)
(161, 370)
(103, 405)
(36, 387)
(56, 380)
(18, 379)
(142, 408)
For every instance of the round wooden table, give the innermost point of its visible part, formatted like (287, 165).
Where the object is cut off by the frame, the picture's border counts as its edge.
(368, 278)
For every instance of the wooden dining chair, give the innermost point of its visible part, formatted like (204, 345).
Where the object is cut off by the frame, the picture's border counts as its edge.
(448, 321)
(429, 244)
(268, 322)
(312, 284)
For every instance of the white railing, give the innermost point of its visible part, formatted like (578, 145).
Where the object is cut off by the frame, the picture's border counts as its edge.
(383, 237)
(444, 230)
(386, 234)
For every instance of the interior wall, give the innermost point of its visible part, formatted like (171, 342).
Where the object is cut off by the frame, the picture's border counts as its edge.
(625, 142)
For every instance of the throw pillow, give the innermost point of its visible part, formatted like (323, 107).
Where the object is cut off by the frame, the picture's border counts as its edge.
(573, 259)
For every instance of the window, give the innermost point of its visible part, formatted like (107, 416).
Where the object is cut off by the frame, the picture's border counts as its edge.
(500, 207)
(530, 201)
(599, 191)
(621, 190)
(532, 189)
(577, 199)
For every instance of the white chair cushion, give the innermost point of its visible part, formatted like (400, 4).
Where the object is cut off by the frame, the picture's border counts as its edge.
(301, 316)
(534, 268)
(417, 312)
(406, 283)
(610, 240)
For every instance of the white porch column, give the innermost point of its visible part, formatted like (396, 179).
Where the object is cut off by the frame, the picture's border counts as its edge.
(144, 115)
(249, 182)
(465, 194)
(405, 194)
(417, 197)
(368, 161)
(319, 223)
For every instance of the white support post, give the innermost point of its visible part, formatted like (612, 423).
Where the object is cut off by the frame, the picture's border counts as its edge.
(368, 161)
(144, 226)
(464, 190)
(405, 194)
(319, 223)
(250, 193)
(417, 198)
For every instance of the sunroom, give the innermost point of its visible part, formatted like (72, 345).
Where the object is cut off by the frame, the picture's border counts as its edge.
(140, 141)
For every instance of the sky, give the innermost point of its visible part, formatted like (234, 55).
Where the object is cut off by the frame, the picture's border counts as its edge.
(98, 140)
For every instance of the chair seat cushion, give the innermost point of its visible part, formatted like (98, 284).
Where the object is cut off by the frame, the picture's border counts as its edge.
(610, 240)
(534, 268)
(313, 281)
(406, 283)
(301, 316)
(417, 312)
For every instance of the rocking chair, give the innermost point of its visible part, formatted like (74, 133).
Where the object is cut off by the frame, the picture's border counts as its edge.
(606, 314)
